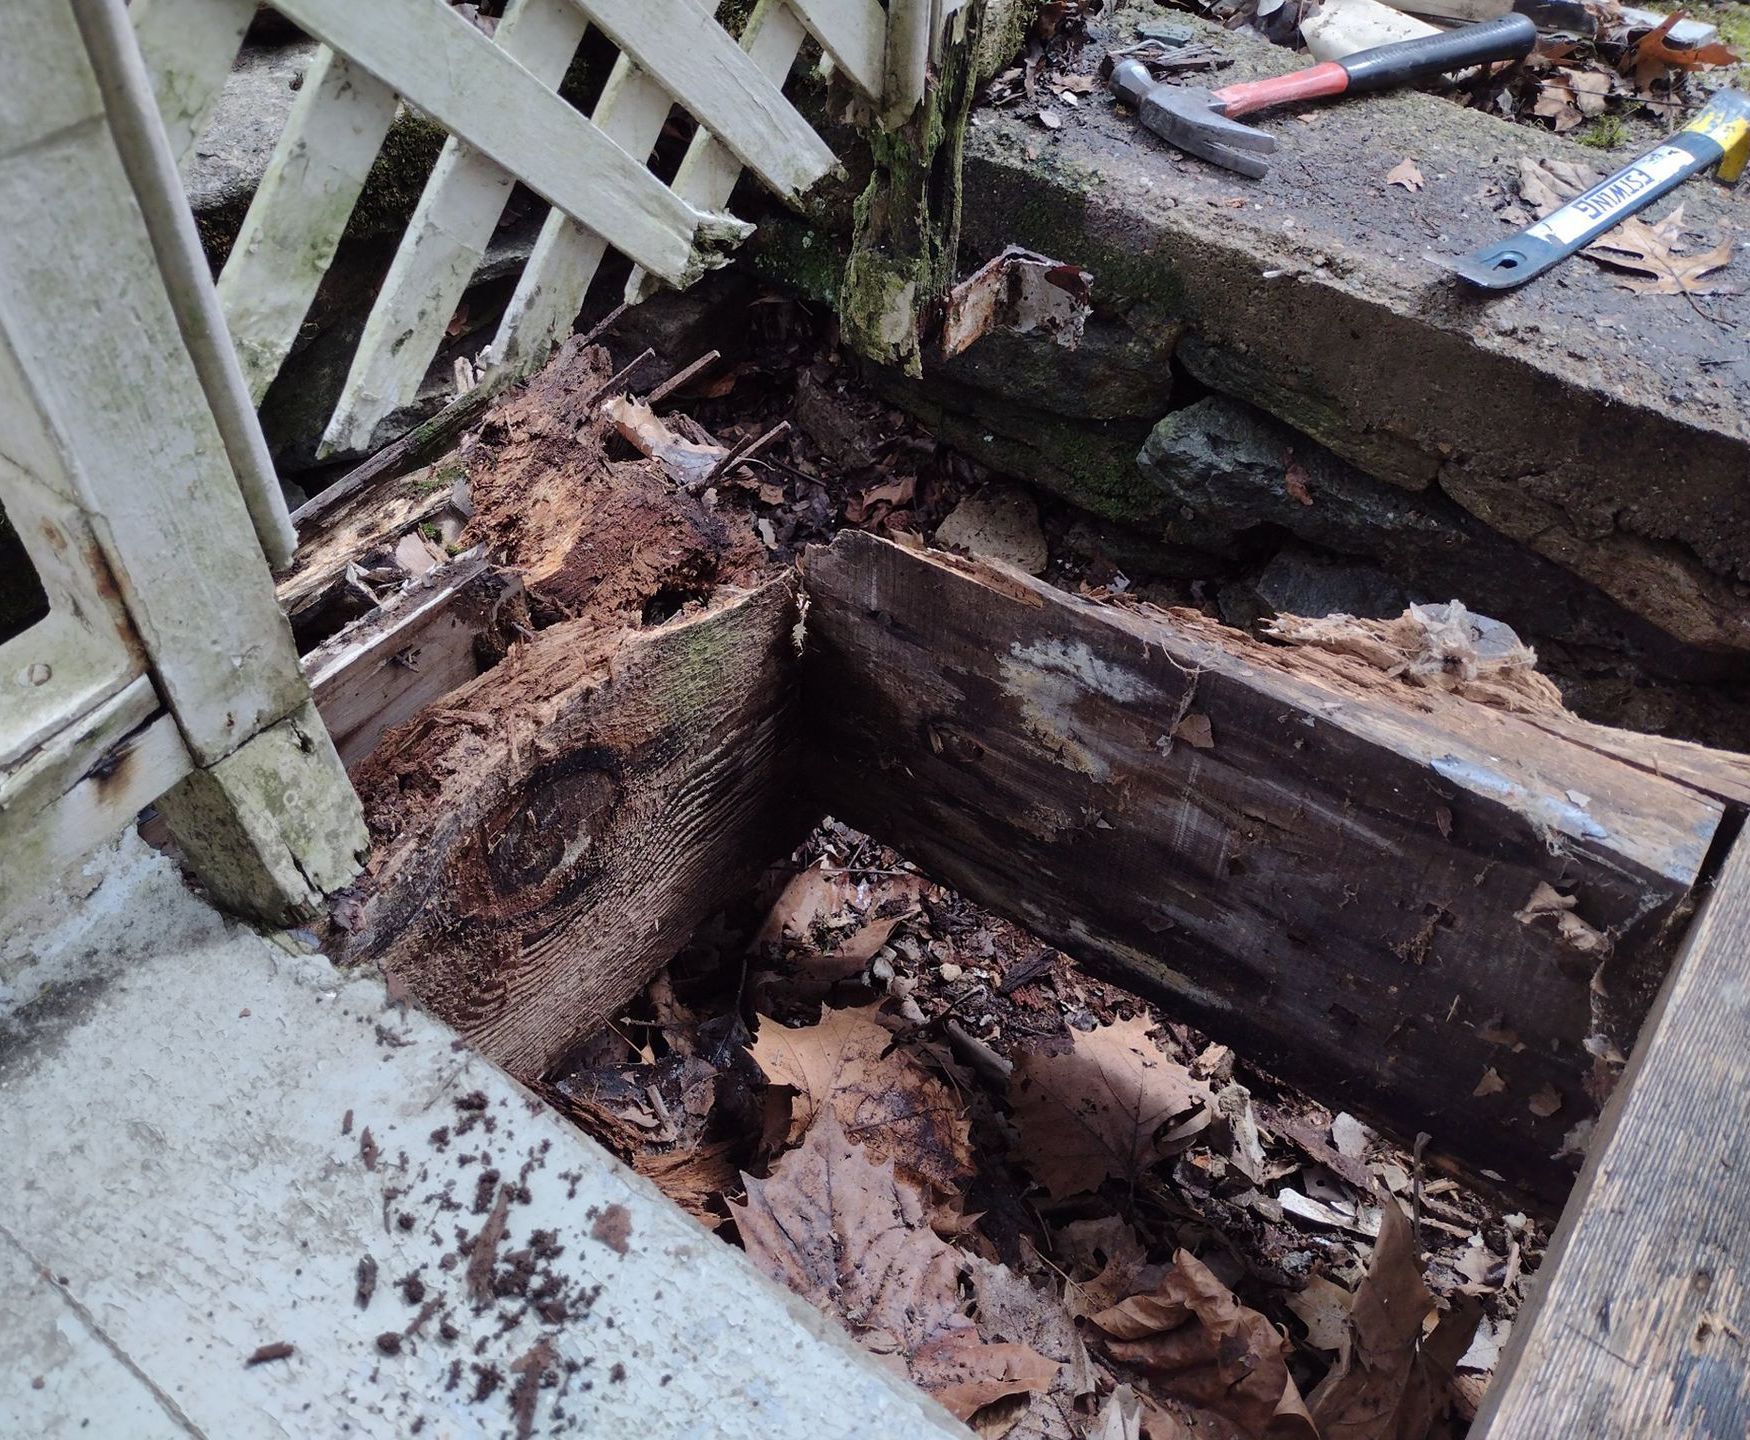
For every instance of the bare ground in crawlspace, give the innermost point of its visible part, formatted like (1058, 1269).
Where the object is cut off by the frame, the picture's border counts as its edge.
(1063, 1212)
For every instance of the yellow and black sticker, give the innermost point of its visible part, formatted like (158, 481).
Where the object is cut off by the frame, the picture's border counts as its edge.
(1725, 120)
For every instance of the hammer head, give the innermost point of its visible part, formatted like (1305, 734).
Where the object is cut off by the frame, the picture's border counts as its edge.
(1191, 118)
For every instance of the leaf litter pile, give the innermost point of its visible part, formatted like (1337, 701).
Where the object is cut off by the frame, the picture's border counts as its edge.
(1059, 1211)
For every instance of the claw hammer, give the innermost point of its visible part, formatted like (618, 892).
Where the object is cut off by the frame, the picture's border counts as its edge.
(1203, 122)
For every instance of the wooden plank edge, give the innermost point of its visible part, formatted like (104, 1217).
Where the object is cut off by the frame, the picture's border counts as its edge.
(550, 835)
(421, 644)
(1611, 875)
(1671, 1354)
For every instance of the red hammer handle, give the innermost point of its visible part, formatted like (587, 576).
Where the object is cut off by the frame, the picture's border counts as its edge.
(1249, 95)
(1385, 66)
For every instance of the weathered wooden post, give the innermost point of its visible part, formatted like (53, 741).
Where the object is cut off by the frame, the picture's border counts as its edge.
(906, 236)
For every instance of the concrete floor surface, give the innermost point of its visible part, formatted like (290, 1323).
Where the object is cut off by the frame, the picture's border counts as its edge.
(214, 1143)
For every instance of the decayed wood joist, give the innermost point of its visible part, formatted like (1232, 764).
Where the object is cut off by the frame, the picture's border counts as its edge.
(548, 836)
(1344, 878)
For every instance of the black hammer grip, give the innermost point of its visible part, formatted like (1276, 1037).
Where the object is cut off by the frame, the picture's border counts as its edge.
(1509, 38)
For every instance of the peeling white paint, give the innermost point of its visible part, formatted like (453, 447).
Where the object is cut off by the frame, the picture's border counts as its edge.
(1049, 679)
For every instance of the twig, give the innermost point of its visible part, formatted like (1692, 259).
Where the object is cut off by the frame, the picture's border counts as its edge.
(992, 1066)
(617, 379)
(662, 1114)
(1422, 1139)
(606, 323)
(746, 450)
(681, 377)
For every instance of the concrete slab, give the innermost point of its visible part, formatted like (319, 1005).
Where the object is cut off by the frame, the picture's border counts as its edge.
(218, 1143)
(1604, 429)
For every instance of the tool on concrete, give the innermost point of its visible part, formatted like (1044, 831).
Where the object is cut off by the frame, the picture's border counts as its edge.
(1719, 134)
(1202, 122)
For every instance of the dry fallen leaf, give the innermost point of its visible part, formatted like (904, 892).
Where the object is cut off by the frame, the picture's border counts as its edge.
(1389, 1382)
(1556, 102)
(1490, 1084)
(882, 1097)
(1011, 1309)
(859, 948)
(1651, 57)
(1546, 1101)
(1547, 904)
(1121, 1419)
(1323, 1307)
(1100, 1110)
(852, 1238)
(686, 461)
(1195, 731)
(1591, 90)
(1407, 174)
(1199, 1346)
(811, 895)
(1647, 248)
(1105, 1261)
(893, 493)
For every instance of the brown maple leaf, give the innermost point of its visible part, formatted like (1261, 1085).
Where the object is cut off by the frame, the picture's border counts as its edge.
(1635, 245)
(1105, 1260)
(852, 1238)
(1389, 1382)
(1199, 1347)
(883, 1097)
(1112, 1106)
(1557, 103)
(1012, 1308)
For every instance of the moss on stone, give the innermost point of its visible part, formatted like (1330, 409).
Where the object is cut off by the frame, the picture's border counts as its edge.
(804, 258)
(397, 177)
(1091, 463)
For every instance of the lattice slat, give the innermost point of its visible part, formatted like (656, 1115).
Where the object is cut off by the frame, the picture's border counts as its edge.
(188, 47)
(685, 50)
(773, 37)
(300, 210)
(633, 109)
(438, 61)
(498, 99)
(854, 33)
(445, 242)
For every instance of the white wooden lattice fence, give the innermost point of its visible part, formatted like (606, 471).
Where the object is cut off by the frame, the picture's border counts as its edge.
(134, 472)
(497, 98)
(131, 460)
